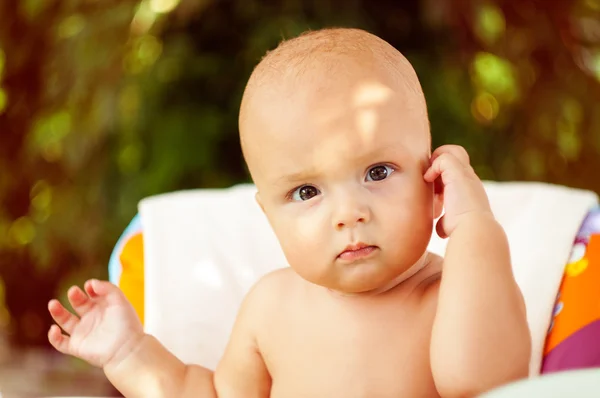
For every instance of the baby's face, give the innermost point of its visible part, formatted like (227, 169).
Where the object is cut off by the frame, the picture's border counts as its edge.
(339, 173)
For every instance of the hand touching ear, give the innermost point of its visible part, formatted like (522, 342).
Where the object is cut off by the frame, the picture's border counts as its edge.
(463, 192)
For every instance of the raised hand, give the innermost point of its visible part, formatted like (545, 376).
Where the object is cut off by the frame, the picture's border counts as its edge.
(104, 329)
(463, 191)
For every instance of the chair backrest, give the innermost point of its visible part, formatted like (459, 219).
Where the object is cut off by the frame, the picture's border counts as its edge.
(204, 249)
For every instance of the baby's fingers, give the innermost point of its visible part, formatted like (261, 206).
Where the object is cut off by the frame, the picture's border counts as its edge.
(441, 164)
(96, 288)
(87, 286)
(62, 316)
(58, 340)
(456, 150)
(432, 173)
(79, 300)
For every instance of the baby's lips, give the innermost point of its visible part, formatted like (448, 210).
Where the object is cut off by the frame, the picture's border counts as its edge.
(358, 253)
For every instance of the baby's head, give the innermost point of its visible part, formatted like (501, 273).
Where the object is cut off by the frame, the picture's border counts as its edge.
(334, 129)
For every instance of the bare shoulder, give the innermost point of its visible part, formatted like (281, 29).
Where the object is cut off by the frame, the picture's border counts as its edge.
(242, 370)
(274, 283)
(278, 278)
(268, 293)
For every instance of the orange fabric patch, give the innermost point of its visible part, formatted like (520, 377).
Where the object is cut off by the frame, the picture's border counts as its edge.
(131, 281)
(578, 302)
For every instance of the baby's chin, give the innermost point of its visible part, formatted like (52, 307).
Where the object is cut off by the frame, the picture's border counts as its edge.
(368, 279)
(367, 287)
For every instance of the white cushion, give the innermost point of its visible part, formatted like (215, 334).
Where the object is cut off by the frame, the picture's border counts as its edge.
(204, 249)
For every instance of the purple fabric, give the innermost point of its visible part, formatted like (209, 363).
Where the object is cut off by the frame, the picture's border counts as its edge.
(580, 350)
(590, 225)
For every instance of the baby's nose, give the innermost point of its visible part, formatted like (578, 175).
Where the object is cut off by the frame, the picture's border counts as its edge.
(350, 213)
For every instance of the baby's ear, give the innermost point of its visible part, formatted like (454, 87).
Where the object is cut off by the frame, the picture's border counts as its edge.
(257, 198)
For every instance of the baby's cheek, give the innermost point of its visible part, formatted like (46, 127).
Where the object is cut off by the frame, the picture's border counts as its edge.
(300, 238)
(309, 236)
(412, 224)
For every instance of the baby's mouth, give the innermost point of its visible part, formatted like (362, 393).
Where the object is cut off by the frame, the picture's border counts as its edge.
(357, 252)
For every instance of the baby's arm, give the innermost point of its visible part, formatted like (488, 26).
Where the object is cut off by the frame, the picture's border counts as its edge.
(150, 370)
(242, 372)
(480, 336)
(107, 333)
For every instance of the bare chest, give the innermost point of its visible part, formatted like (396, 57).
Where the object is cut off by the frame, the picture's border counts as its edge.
(351, 349)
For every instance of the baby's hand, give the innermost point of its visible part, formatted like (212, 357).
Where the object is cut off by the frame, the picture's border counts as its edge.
(106, 330)
(462, 190)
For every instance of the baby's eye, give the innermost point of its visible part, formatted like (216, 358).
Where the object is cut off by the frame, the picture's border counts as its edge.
(305, 192)
(378, 173)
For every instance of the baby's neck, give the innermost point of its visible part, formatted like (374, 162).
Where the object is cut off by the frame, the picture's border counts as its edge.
(409, 273)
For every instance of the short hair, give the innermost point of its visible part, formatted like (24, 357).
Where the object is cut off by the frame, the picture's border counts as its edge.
(329, 47)
(330, 50)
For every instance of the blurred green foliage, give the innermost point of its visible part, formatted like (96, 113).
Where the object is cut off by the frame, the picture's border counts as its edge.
(105, 102)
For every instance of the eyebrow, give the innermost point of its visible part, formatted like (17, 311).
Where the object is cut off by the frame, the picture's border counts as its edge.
(311, 174)
(382, 152)
(297, 177)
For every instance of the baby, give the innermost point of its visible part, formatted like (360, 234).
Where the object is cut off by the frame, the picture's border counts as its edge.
(334, 129)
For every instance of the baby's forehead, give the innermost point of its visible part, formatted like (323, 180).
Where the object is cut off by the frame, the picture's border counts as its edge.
(308, 77)
(327, 116)
(360, 104)
(366, 117)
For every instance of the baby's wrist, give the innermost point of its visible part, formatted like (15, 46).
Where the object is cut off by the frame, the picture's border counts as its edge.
(476, 219)
(143, 367)
(125, 352)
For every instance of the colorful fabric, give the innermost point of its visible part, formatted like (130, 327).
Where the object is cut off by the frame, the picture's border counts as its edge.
(573, 338)
(126, 265)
